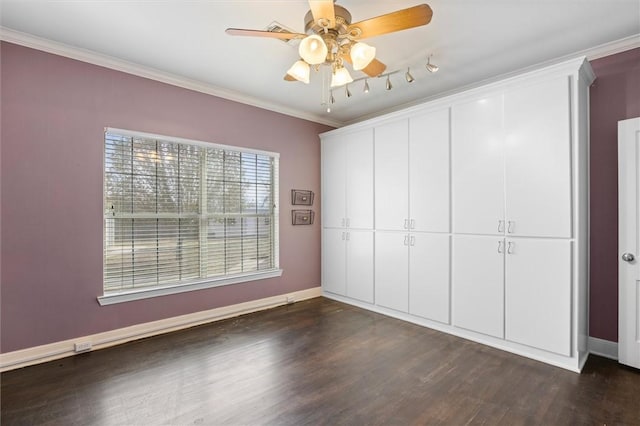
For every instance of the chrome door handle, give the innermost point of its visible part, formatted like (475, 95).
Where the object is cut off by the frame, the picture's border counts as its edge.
(406, 224)
(510, 226)
(628, 257)
(406, 240)
(501, 226)
(510, 247)
(412, 241)
(412, 224)
(500, 247)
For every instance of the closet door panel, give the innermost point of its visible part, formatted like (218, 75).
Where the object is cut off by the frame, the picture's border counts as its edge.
(392, 270)
(334, 261)
(391, 172)
(429, 166)
(478, 166)
(538, 159)
(333, 182)
(538, 293)
(478, 284)
(360, 265)
(429, 276)
(359, 179)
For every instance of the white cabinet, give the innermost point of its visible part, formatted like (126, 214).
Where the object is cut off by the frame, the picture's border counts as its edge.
(412, 173)
(478, 166)
(478, 284)
(347, 168)
(347, 264)
(412, 273)
(538, 293)
(538, 159)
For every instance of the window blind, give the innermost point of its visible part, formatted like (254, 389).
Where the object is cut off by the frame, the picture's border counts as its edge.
(179, 212)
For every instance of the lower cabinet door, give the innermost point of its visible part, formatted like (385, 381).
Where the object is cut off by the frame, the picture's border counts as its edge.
(429, 276)
(478, 284)
(360, 265)
(334, 261)
(392, 270)
(538, 293)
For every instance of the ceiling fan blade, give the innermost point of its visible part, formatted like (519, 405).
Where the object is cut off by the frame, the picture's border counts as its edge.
(323, 9)
(287, 77)
(259, 33)
(391, 22)
(374, 69)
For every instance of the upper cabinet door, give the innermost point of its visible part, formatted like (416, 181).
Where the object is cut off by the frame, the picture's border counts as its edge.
(359, 179)
(391, 173)
(333, 182)
(478, 166)
(538, 159)
(429, 172)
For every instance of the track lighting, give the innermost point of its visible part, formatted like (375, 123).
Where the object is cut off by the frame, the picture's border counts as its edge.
(332, 100)
(388, 85)
(346, 91)
(431, 67)
(408, 76)
(366, 86)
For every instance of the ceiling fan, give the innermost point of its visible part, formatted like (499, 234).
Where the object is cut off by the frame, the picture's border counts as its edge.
(331, 39)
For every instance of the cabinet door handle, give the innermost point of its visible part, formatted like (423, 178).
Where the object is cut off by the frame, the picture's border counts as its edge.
(342, 223)
(510, 226)
(348, 235)
(412, 241)
(406, 224)
(501, 226)
(406, 240)
(348, 222)
(413, 224)
(510, 247)
(343, 236)
(500, 247)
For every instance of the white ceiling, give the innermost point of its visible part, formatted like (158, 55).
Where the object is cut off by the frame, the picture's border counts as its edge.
(471, 41)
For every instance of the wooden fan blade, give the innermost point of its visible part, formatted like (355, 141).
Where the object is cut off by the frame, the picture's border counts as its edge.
(391, 22)
(323, 10)
(374, 69)
(258, 33)
(287, 77)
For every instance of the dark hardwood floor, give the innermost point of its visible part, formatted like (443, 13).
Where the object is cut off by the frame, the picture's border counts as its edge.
(315, 362)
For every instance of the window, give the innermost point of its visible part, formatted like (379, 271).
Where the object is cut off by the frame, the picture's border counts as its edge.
(180, 213)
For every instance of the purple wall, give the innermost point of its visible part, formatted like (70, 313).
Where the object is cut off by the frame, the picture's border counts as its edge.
(54, 111)
(615, 96)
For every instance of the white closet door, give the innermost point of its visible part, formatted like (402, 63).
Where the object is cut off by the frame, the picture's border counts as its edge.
(538, 159)
(392, 270)
(429, 171)
(478, 284)
(360, 265)
(334, 261)
(333, 182)
(538, 293)
(359, 179)
(391, 172)
(429, 276)
(478, 166)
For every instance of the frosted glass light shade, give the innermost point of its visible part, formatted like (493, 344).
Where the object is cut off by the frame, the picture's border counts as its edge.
(361, 55)
(340, 77)
(300, 71)
(313, 50)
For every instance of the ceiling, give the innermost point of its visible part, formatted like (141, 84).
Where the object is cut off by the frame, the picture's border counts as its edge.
(470, 40)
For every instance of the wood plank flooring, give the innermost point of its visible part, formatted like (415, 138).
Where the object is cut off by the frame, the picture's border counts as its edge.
(315, 362)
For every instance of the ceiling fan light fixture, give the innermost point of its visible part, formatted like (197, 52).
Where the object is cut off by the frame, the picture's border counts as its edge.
(340, 77)
(300, 71)
(361, 55)
(365, 89)
(388, 84)
(313, 49)
(408, 76)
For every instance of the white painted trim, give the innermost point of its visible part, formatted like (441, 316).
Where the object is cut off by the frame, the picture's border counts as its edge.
(605, 348)
(147, 293)
(57, 350)
(88, 56)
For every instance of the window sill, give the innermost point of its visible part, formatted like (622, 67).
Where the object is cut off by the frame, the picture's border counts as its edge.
(146, 293)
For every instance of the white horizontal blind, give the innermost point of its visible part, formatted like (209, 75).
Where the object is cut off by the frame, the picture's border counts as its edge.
(178, 213)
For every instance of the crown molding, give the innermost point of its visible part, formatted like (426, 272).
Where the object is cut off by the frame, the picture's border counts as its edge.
(91, 57)
(608, 49)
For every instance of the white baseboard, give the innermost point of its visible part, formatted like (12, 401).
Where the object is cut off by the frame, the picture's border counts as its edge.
(605, 348)
(57, 350)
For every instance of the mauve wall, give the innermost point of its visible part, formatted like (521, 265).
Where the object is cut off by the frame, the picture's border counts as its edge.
(54, 111)
(615, 96)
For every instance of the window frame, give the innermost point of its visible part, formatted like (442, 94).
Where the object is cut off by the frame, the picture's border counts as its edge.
(111, 297)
